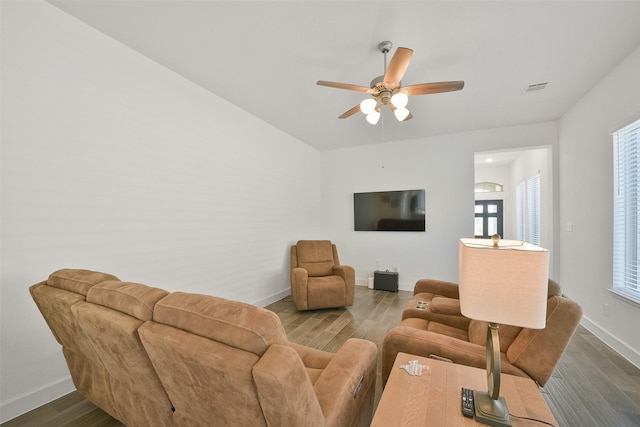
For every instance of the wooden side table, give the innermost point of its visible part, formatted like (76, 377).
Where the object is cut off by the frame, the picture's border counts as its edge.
(433, 399)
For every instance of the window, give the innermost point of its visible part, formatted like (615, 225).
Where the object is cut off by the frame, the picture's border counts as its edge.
(626, 210)
(528, 210)
(488, 187)
(488, 219)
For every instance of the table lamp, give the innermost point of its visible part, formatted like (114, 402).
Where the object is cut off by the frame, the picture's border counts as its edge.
(501, 281)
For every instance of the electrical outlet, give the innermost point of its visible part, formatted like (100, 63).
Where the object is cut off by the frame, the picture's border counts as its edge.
(606, 309)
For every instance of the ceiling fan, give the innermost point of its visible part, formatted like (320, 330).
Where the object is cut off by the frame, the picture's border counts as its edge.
(387, 89)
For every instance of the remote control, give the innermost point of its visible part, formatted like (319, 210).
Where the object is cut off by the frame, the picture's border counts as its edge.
(468, 408)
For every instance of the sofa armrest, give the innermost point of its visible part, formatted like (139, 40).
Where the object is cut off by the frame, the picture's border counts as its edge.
(299, 280)
(286, 395)
(348, 382)
(436, 287)
(347, 273)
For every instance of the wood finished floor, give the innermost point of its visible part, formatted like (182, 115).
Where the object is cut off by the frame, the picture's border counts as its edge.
(591, 386)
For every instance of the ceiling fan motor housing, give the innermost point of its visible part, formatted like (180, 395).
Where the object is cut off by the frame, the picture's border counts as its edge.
(381, 93)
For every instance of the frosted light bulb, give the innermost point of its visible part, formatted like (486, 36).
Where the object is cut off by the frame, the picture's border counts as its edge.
(373, 117)
(401, 113)
(368, 106)
(400, 100)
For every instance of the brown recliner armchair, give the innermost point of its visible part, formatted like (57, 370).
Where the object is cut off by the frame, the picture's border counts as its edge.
(531, 353)
(228, 363)
(317, 278)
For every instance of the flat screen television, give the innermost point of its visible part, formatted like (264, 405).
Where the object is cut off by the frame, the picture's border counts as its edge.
(389, 211)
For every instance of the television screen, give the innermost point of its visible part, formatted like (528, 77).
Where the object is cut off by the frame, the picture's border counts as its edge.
(389, 211)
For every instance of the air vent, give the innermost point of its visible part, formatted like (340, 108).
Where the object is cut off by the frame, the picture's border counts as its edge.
(536, 87)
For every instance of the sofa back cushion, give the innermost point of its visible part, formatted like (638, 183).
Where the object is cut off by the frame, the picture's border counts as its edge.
(506, 333)
(55, 298)
(134, 299)
(537, 351)
(233, 323)
(77, 280)
(208, 382)
(204, 349)
(316, 256)
(285, 390)
(110, 319)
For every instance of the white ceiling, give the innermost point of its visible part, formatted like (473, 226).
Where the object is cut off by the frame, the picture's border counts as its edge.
(266, 56)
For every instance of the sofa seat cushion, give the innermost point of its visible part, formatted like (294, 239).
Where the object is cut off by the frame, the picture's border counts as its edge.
(77, 280)
(426, 325)
(314, 360)
(328, 291)
(240, 325)
(456, 333)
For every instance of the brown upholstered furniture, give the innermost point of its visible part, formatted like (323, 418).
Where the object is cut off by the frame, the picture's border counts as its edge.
(153, 358)
(438, 301)
(317, 278)
(525, 352)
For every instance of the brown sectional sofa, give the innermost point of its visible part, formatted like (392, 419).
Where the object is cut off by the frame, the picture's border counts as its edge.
(438, 329)
(153, 358)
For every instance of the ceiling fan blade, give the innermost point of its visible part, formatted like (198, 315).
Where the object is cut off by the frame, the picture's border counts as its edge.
(428, 88)
(346, 86)
(397, 67)
(350, 113)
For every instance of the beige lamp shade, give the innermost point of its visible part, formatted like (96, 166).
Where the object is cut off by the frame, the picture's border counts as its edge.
(506, 284)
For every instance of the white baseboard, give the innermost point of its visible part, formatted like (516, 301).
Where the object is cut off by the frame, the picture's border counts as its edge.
(263, 302)
(401, 286)
(31, 400)
(612, 341)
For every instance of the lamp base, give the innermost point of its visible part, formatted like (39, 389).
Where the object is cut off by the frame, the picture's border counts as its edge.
(491, 412)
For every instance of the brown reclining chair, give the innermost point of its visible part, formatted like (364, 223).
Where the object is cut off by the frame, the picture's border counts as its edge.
(441, 331)
(317, 278)
(236, 362)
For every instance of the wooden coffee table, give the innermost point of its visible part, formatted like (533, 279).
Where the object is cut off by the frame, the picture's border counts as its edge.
(433, 399)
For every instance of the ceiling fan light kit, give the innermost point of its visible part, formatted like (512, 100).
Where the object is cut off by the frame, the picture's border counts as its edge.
(373, 117)
(368, 105)
(386, 90)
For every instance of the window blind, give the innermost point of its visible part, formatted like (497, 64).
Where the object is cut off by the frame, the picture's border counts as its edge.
(520, 211)
(533, 209)
(626, 209)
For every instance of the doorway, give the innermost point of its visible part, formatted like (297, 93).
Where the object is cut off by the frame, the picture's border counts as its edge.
(489, 218)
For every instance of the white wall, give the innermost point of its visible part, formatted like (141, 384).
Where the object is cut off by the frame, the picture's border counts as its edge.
(113, 163)
(586, 201)
(444, 166)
